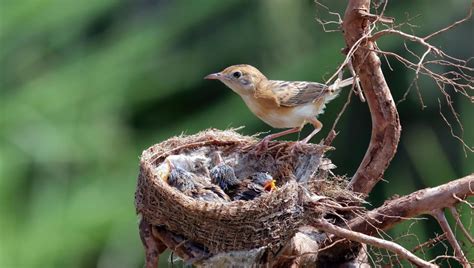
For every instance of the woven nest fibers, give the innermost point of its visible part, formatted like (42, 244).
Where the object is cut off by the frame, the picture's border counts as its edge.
(223, 225)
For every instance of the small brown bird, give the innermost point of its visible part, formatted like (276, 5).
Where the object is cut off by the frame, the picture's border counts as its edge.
(253, 186)
(280, 104)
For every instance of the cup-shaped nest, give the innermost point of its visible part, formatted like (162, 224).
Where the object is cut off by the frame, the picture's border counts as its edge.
(269, 220)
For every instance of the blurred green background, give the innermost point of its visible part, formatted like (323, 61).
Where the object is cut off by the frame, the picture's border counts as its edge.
(85, 86)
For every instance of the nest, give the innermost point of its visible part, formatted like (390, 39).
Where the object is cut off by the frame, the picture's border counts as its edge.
(269, 220)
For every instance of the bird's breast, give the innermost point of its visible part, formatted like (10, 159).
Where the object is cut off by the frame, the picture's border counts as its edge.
(281, 117)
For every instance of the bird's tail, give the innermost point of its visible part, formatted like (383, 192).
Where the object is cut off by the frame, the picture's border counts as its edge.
(338, 84)
(336, 87)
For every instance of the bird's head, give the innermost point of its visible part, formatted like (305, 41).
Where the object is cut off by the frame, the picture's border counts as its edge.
(194, 164)
(265, 180)
(270, 185)
(242, 79)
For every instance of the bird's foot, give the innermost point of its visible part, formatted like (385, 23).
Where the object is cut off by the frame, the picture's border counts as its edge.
(261, 147)
(307, 139)
(297, 146)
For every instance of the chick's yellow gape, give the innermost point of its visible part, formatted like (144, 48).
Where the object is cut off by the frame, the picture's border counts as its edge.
(280, 104)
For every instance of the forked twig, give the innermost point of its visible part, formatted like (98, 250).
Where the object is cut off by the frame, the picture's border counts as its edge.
(438, 214)
(459, 223)
(373, 241)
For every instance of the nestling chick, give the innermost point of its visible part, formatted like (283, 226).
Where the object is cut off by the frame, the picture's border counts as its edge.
(189, 183)
(223, 175)
(181, 179)
(253, 186)
(280, 104)
(194, 164)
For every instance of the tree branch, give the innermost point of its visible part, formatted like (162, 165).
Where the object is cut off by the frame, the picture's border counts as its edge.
(438, 214)
(403, 208)
(417, 203)
(385, 122)
(457, 218)
(373, 241)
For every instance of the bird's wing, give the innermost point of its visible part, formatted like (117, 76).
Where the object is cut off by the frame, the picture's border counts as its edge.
(217, 191)
(296, 93)
(250, 192)
(224, 176)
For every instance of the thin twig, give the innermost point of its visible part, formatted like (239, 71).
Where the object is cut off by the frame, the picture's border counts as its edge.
(438, 214)
(463, 201)
(356, 81)
(332, 133)
(460, 139)
(429, 243)
(373, 241)
(459, 223)
(468, 16)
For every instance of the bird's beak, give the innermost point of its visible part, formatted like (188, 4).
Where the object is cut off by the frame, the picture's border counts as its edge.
(270, 185)
(163, 171)
(215, 76)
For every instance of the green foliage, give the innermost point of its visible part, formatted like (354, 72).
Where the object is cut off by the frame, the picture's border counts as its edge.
(86, 86)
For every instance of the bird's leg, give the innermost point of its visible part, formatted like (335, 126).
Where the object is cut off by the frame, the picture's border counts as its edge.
(263, 144)
(317, 127)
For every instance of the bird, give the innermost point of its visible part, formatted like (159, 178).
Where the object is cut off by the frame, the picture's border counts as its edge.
(181, 179)
(174, 171)
(280, 104)
(223, 175)
(253, 186)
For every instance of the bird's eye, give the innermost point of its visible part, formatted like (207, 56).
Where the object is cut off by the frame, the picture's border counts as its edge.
(237, 74)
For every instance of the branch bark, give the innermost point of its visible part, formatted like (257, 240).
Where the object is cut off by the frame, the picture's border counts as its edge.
(417, 203)
(404, 208)
(373, 241)
(385, 121)
(362, 55)
(438, 214)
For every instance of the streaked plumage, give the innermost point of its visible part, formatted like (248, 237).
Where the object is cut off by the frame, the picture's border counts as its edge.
(223, 175)
(280, 104)
(189, 183)
(253, 186)
(182, 180)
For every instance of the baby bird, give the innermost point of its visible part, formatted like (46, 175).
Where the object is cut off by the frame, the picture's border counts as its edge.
(189, 183)
(181, 179)
(223, 175)
(253, 186)
(280, 104)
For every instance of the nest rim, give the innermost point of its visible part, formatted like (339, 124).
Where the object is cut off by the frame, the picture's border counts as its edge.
(285, 203)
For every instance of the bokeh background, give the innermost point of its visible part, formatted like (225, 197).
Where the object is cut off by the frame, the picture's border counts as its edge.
(85, 86)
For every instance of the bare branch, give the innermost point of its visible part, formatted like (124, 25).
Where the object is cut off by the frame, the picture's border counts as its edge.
(417, 203)
(373, 241)
(465, 146)
(356, 81)
(385, 122)
(332, 133)
(410, 37)
(406, 207)
(430, 243)
(456, 217)
(153, 247)
(463, 201)
(438, 214)
(468, 16)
